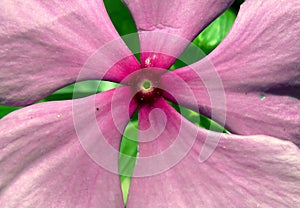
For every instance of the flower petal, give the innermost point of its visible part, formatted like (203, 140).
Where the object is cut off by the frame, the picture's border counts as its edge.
(243, 171)
(259, 67)
(42, 159)
(156, 124)
(159, 22)
(44, 45)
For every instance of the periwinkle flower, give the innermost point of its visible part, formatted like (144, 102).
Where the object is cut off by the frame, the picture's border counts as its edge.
(46, 44)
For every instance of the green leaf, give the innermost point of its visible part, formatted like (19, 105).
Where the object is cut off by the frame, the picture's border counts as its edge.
(4, 110)
(207, 40)
(212, 36)
(129, 147)
(191, 54)
(120, 17)
(123, 22)
(84, 89)
(199, 119)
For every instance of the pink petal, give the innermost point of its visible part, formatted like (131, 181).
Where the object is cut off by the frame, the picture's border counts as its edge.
(42, 160)
(167, 27)
(258, 64)
(44, 45)
(243, 171)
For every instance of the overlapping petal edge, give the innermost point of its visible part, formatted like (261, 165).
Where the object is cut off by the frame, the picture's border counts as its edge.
(258, 63)
(244, 171)
(25, 151)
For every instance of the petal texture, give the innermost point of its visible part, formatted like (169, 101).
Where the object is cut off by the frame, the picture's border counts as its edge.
(44, 45)
(258, 63)
(43, 163)
(167, 27)
(243, 171)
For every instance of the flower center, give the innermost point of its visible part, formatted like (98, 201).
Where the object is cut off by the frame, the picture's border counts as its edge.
(147, 92)
(145, 85)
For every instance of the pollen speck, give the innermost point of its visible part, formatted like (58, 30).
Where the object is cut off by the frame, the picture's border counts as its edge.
(147, 61)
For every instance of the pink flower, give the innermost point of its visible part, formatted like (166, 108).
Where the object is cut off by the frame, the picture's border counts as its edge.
(49, 151)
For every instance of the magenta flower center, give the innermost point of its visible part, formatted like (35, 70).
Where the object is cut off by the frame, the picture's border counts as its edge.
(145, 85)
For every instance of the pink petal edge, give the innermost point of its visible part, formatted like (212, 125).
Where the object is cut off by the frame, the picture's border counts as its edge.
(167, 27)
(258, 65)
(45, 44)
(243, 171)
(43, 163)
